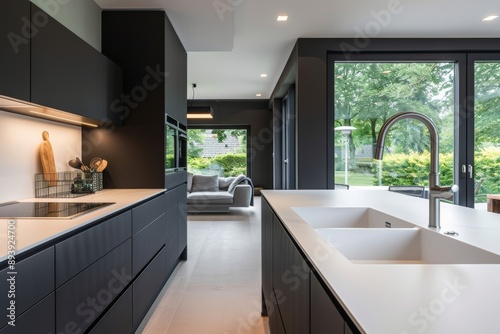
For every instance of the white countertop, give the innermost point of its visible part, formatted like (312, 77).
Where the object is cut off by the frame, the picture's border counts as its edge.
(30, 233)
(403, 298)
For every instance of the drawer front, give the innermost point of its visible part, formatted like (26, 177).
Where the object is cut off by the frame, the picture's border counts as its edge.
(38, 319)
(147, 286)
(78, 252)
(34, 281)
(171, 198)
(146, 213)
(80, 301)
(119, 318)
(147, 243)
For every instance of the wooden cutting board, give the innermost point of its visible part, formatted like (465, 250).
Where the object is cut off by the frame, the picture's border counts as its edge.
(48, 162)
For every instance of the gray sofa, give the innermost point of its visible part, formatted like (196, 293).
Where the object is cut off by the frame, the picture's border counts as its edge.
(218, 194)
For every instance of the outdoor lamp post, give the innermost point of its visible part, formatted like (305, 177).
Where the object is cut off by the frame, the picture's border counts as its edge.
(346, 130)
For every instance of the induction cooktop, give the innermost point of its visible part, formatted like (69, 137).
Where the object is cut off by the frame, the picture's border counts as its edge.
(52, 210)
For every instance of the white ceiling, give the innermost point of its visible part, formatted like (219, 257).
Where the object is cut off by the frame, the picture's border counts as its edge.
(230, 43)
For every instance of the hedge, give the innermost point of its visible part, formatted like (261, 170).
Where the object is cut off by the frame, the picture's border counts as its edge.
(413, 169)
(223, 165)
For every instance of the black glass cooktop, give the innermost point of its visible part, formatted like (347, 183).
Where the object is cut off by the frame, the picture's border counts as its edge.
(53, 210)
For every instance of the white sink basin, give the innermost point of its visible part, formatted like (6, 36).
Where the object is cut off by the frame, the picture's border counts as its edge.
(352, 217)
(403, 246)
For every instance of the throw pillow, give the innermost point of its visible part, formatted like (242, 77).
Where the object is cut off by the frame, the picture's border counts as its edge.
(225, 182)
(205, 183)
(235, 182)
(189, 181)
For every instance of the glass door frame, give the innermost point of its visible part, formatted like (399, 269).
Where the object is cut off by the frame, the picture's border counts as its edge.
(467, 158)
(461, 111)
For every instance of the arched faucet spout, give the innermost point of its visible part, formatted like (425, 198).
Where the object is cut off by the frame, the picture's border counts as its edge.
(436, 192)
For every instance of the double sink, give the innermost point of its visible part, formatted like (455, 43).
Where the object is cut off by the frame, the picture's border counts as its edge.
(367, 236)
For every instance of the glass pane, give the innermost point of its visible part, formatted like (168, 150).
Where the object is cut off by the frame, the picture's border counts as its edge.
(217, 152)
(366, 95)
(486, 131)
(170, 148)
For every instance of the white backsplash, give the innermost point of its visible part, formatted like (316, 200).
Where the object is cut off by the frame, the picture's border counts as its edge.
(20, 139)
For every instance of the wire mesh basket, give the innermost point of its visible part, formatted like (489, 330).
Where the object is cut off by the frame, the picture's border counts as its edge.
(67, 184)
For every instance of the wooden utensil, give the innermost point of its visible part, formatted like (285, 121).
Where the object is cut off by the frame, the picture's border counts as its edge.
(48, 162)
(102, 166)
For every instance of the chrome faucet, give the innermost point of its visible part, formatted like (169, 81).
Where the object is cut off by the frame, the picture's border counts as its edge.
(436, 192)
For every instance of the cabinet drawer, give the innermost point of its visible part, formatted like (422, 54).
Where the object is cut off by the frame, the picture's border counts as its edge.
(145, 213)
(147, 243)
(171, 198)
(34, 281)
(147, 286)
(78, 252)
(38, 319)
(80, 301)
(119, 318)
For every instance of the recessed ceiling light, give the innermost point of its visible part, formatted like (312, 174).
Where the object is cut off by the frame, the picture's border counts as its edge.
(282, 18)
(258, 95)
(491, 17)
(263, 75)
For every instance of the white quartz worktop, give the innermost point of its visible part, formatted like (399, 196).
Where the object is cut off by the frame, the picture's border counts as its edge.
(30, 233)
(403, 298)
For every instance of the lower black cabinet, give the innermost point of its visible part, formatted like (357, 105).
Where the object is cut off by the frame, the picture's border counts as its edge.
(33, 282)
(172, 250)
(146, 243)
(182, 220)
(293, 296)
(325, 318)
(119, 318)
(38, 319)
(291, 281)
(147, 285)
(84, 298)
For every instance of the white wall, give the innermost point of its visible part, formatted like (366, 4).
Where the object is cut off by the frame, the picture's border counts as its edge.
(82, 17)
(20, 139)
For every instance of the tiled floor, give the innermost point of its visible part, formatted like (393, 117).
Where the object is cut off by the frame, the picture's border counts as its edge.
(217, 290)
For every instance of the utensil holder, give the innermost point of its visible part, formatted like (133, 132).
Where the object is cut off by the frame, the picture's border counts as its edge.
(67, 184)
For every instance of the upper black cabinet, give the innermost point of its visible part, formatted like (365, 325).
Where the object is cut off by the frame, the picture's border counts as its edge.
(44, 63)
(15, 49)
(70, 75)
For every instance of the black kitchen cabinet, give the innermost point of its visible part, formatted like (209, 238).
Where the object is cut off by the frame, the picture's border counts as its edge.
(38, 319)
(293, 295)
(146, 213)
(119, 318)
(78, 252)
(15, 49)
(154, 62)
(290, 282)
(80, 301)
(147, 242)
(325, 318)
(182, 221)
(147, 286)
(70, 75)
(33, 280)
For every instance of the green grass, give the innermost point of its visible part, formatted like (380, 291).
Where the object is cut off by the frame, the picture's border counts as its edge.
(355, 179)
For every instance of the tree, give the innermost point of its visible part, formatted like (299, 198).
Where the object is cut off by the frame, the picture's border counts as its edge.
(196, 138)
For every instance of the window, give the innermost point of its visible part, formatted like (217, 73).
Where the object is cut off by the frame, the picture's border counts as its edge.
(366, 95)
(220, 152)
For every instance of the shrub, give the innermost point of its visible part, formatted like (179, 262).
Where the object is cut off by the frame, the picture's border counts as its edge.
(224, 165)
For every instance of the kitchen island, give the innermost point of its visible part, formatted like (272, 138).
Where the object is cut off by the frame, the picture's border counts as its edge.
(98, 272)
(378, 297)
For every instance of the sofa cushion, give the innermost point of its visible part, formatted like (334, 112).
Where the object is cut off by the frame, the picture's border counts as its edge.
(189, 181)
(235, 182)
(205, 183)
(225, 182)
(209, 197)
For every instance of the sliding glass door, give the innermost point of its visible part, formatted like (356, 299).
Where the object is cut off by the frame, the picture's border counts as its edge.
(483, 163)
